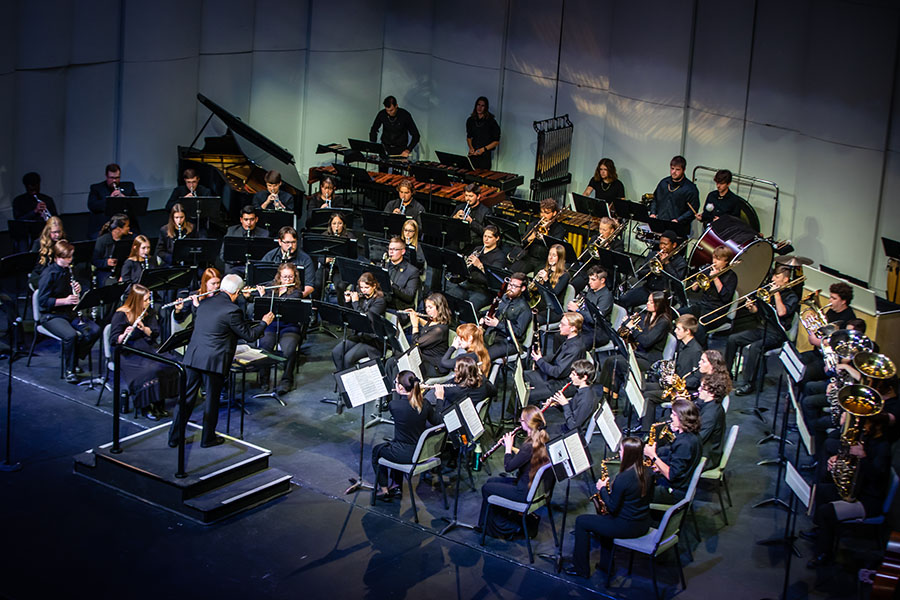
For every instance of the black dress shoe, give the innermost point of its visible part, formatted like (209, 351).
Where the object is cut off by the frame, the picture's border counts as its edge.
(573, 572)
(744, 389)
(173, 443)
(71, 377)
(384, 497)
(216, 441)
(282, 389)
(396, 492)
(160, 411)
(150, 414)
(820, 560)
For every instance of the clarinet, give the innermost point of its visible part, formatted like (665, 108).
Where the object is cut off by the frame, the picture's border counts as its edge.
(133, 326)
(178, 234)
(517, 429)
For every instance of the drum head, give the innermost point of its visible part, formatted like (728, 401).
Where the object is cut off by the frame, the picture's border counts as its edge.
(755, 260)
(747, 214)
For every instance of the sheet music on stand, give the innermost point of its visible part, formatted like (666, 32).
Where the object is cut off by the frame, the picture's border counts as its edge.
(634, 369)
(569, 455)
(633, 391)
(411, 360)
(363, 384)
(798, 485)
(606, 421)
(463, 415)
(802, 428)
(792, 363)
(522, 389)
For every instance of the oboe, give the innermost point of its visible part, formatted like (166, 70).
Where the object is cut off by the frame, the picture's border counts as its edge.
(517, 429)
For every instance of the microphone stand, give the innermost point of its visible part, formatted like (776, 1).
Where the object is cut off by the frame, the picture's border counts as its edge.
(8, 466)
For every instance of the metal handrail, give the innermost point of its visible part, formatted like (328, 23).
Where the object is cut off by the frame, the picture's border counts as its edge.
(746, 179)
(182, 386)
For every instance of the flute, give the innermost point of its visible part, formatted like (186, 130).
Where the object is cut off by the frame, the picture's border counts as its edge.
(185, 299)
(516, 430)
(431, 386)
(252, 288)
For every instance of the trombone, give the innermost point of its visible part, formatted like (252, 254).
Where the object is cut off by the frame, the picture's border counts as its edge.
(655, 265)
(703, 281)
(541, 228)
(763, 293)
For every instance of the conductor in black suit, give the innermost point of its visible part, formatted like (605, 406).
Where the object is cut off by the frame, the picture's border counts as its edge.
(111, 186)
(218, 325)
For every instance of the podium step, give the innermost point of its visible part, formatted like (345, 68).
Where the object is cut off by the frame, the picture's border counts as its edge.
(245, 493)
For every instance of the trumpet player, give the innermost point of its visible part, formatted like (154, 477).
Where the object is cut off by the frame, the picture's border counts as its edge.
(536, 254)
(33, 205)
(190, 189)
(673, 264)
(273, 197)
(763, 337)
(607, 229)
(403, 275)
(513, 308)
(471, 210)
(674, 463)
(575, 412)
(719, 293)
(493, 254)
(600, 296)
(552, 370)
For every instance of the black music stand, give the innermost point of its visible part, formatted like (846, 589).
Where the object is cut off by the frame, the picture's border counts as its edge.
(440, 258)
(439, 226)
(351, 177)
(197, 252)
(260, 272)
(289, 310)
(23, 232)
(177, 340)
(239, 250)
(14, 336)
(554, 307)
(619, 264)
(375, 248)
(509, 230)
(342, 317)
(133, 206)
(387, 224)
(18, 264)
(325, 246)
(682, 230)
(367, 147)
(457, 161)
(526, 205)
(321, 217)
(274, 220)
(84, 252)
(463, 309)
(626, 209)
(431, 175)
(590, 206)
(121, 250)
(496, 276)
(465, 428)
(351, 270)
(166, 278)
(202, 206)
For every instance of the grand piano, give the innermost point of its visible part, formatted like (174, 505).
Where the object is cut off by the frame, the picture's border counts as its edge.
(233, 165)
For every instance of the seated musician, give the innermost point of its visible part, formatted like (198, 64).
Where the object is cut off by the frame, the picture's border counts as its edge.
(765, 336)
(674, 463)
(676, 197)
(482, 134)
(605, 185)
(720, 202)
(573, 413)
(399, 133)
(405, 203)
(512, 308)
(53, 232)
(190, 189)
(368, 299)
(600, 296)
(534, 252)
(862, 490)
(720, 292)
(525, 462)
(649, 342)
(431, 335)
(287, 335)
(713, 389)
(273, 197)
(33, 205)
(112, 186)
(138, 261)
(325, 198)
(287, 251)
(209, 282)
(472, 211)
(674, 265)
(177, 228)
(554, 276)
(492, 254)
(553, 366)
(469, 342)
(468, 382)
(840, 295)
(616, 244)
(245, 229)
(627, 501)
(336, 228)
(414, 253)
(690, 360)
(117, 228)
(404, 277)
(58, 294)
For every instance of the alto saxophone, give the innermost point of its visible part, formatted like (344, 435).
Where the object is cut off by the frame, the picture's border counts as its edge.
(659, 431)
(599, 504)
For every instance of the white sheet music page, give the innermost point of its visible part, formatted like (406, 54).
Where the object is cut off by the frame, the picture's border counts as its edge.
(606, 421)
(364, 385)
(473, 422)
(451, 421)
(579, 458)
(559, 454)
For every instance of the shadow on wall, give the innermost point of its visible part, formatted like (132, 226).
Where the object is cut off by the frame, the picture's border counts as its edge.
(809, 240)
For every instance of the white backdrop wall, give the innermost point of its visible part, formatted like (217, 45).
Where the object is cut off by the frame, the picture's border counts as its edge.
(752, 85)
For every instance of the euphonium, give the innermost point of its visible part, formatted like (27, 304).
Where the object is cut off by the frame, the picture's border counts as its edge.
(859, 401)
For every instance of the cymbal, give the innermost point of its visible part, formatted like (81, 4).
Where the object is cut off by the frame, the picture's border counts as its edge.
(793, 261)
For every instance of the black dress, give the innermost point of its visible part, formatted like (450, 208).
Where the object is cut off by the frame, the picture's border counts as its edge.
(148, 381)
(497, 521)
(432, 342)
(408, 427)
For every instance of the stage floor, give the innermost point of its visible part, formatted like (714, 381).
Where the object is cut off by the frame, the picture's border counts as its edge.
(319, 542)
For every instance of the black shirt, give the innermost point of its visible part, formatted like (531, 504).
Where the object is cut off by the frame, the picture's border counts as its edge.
(409, 423)
(55, 283)
(687, 358)
(652, 340)
(683, 455)
(432, 342)
(478, 215)
(23, 207)
(399, 132)
(482, 132)
(625, 500)
(607, 192)
(712, 431)
(832, 316)
(579, 410)
(670, 200)
(716, 206)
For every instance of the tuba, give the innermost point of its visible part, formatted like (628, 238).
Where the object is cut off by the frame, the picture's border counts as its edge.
(860, 402)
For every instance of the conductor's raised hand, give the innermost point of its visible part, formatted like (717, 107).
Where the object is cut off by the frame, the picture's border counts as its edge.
(268, 318)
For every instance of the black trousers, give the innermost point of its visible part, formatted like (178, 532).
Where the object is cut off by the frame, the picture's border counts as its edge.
(77, 337)
(289, 341)
(606, 528)
(394, 452)
(347, 353)
(214, 383)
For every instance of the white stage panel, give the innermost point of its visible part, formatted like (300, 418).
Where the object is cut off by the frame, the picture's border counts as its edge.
(162, 30)
(525, 100)
(586, 108)
(280, 25)
(585, 51)
(346, 25)
(407, 76)
(39, 124)
(223, 79)
(533, 42)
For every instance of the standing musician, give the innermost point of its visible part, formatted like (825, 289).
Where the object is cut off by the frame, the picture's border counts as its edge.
(411, 416)
(287, 251)
(404, 277)
(273, 197)
(210, 280)
(138, 261)
(431, 335)
(763, 337)
(414, 253)
(177, 228)
(399, 134)
(554, 274)
(482, 134)
(469, 342)
(649, 342)
(368, 299)
(534, 248)
(468, 382)
(627, 509)
(33, 205)
(675, 463)
(513, 308)
(190, 189)
(605, 184)
(577, 410)
(719, 293)
(472, 211)
(405, 204)
(599, 295)
(149, 382)
(690, 362)
(117, 228)
(713, 389)
(525, 461)
(676, 198)
(674, 265)
(552, 371)
(720, 202)
(287, 335)
(99, 192)
(325, 198)
(491, 253)
(58, 293)
(217, 327)
(616, 244)
(53, 232)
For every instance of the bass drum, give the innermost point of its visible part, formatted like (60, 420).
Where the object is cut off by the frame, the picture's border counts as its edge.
(754, 257)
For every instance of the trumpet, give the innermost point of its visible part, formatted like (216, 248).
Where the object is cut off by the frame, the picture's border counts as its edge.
(631, 325)
(764, 293)
(703, 281)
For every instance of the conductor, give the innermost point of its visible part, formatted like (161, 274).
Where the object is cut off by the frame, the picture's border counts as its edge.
(218, 325)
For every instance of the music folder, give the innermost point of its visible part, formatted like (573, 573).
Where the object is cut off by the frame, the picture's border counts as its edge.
(569, 455)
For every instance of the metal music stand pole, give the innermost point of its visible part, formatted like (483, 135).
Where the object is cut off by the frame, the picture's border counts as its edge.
(7, 466)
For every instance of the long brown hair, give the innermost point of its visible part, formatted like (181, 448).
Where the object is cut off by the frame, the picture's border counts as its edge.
(369, 279)
(46, 242)
(474, 335)
(187, 226)
(466, 373)
(633, 458)
(688, 415)
(136, 248)
(538, 437)
(660, 308)
(134, 303)
(610, 169)
(288, 266)
(441, 307)
(556, 272)
(411, 384)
